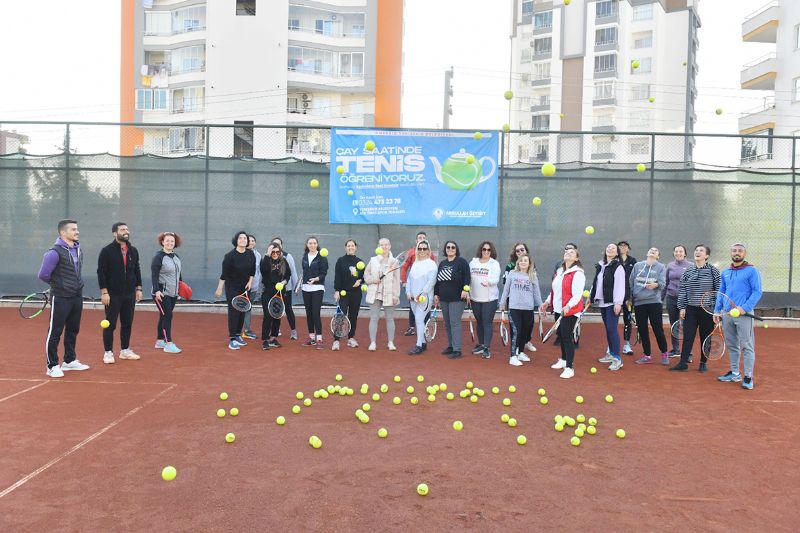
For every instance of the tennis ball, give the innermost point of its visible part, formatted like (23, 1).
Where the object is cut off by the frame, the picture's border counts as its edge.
(431, 397)
(376, 397)
(559, 427)
(470, 159)
(506, 402)
(593, 370)
(620, 433)
(592, 421)
(718, 111)
(306, 402)
(684, 63)
(221, 413)
(464, 393)
(505, 418)
(364, 288)
(561, 115)
(495, 390)
(506, 128)
(641, 167)
(324, 252)
(364, 419)
(508, 95)
(541, 392)
(383, 433)
(105, 323)
(567, 2)
(279, 286)
(465, 288)
(338, 377)
(521, 440)
(589, 230)
(360, 265)
(369, 146)
(168, 473)
(609, 398)
(421, 298)
(579, 432)
(575, 441)
(578, 399)
(378, 251)
(735, 313)
(350, 192)
(635, 63)
(340, 169)
(536, 201)
(384, 388)
(235, 411)
(223, 396)
(396, 400)
(591, 430)
(477, 136)
(337, 389)
(442, 386)
(360, 412)
(580, 418)
(480, 393)
(651, 99)
(299, 395)
(512, 422)
(543, 400)
(548, 169)
(414, 400)
(280, 420)
(430, 390)
(570, 421)
(420, 378)
(512, 388)
(458, 425)
(296, 409)
(315, 442)
(350, 391)
(314, 183)
(558, 418)
(766, 326)
(473, 399)
(422, 489)
(581, 426)
(323, 394)
(230, 437)
(410, 389)
(470, 384)
(342, 292)
(450, 396)
(364, 388)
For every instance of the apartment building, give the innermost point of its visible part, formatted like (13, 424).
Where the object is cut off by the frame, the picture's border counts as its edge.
(573, 70)
(292, 63)
(776, 22)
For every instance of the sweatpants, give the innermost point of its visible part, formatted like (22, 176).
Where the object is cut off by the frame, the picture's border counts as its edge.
(312, 300)
(351, 304)
(611, 322)
(484, 317)
(254, 297)
(420, 311)
(235, 318)
(521, 327)
(695, 319)
(164, 328)
(451, 314)
(270, 326)
(290, 318)
(567, 340)
(740, 339)
(121, 306)
(374, 313)
(674, 315)
(651, 313)
(65, 316)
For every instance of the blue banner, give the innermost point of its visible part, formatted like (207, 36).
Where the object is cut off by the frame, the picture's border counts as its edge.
(411, 177)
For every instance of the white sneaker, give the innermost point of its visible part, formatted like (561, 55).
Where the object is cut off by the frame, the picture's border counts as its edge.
(75, 365)
(160, 343)
(352, 343)
(606, 359)
(391, 347)
(627, 350)
(530, 347)
(524, 358)
(372, 347)
(128, 354)
(514, 361)
(108, 358)
(567, 373)
(170, 347)
(292, 336)
(616, 365)
(55, 372)
(561, 363)
(335, 346)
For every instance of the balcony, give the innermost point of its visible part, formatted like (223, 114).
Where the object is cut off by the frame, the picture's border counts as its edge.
(541, 105)
(307, 35)
(761, 26)
(155, 41)
(606, 16)
(759, 118)
(606, 46)
(604, 124)
(541, 81)
(610, 101)
(760, 73)
(333, 80)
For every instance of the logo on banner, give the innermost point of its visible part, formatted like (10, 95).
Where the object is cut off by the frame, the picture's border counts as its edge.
(438, 213)
(463, 171)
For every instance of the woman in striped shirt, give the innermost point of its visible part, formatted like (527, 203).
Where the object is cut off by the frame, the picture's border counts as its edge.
(696, 280)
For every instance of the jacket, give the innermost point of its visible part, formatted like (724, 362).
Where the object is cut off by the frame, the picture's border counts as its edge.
(118, 277)
(318, 268)
(61, 269)
(386, 290)
(644, 274)
(742, 284)
(346, 273)
(613, 283)
(567, 287)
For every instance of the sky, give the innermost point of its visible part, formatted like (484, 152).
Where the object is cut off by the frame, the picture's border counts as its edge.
(69, 68)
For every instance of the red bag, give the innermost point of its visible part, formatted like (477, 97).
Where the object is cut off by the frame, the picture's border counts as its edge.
(184, 290)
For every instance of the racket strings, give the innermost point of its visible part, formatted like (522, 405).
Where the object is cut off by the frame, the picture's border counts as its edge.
(340, 325)
(240, 303)
(276, 307)
(714, 346)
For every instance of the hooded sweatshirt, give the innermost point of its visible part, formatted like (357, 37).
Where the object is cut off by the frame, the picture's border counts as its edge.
(520, 292)
(675, 270)
(480, 273)
(644, 274)
(742, 284)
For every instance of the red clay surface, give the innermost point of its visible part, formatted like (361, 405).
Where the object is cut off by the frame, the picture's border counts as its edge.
(699, 455)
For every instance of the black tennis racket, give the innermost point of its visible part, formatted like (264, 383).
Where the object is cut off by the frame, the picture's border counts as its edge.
(276, 306)
(340, 324)
(638, 338)
(241, 302)
(34, 304)
(677, 330)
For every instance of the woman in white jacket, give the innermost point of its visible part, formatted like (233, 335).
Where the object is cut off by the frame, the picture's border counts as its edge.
(483, 294)
(419, 291)
(382, 289)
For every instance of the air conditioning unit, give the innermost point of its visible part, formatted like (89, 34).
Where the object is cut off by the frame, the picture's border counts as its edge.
(305, 97)
(306, 105)
(333, 16)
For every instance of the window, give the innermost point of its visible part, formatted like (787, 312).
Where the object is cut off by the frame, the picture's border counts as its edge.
(157, 23)
(603, 120)
(543, 20)
(526, 55)
(243, 138)
(541, 122)
(640, 119)
(643, 40)
(796, 95)
(640, 91)
(357, 30)
(605, 36)
(605, 63)
(797, 36)
(160, 99)
(601, 145)
(757, 147)
(188, 99)
(543, 100)
(351, 64)
(604, 90)
(294, 24)
(645, 66)
(606, 8)
(540, 148)
(312, 61)
(144, 99)
(189, 19)
(543, 46)
(541, 71)
(639, 146)
(186, 139)
(188, 59)
(245, 8)
(527, 8)
(643, 12)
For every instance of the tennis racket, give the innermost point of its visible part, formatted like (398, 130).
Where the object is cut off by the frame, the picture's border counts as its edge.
(504, 328)
(576, 331)
(276, 306)
(431, 326)
(470, 320)
(552, 330)
(395, 263)
(241, 302)
(638, 338)
(677, 330)
(340, 324)
(710, 299)
(714, 345)
(34, 304)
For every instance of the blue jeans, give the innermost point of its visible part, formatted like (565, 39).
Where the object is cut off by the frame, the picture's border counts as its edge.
(611, 322)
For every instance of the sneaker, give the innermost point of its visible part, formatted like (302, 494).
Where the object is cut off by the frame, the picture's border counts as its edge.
(372, 347)
(530, 347)
(561, 363)
(645, 360)
(310, 342)
(352, 343)
(416, 350)
(747, 383)
(456, 354)
(514, 361)
(730, 376)
(616, 365)
(627, 350)
(108, 358)
(675, 353)
(335, 346)
(607, 358)
(273, 343)
(128, 354)
(292, 336)
(240, 341)
(665, 358)
(608, 351)
(478, 349)
(410, 332)
(172, 348)
(249, 335)
(486, 354)
(319, 345)
(690, 358)
(74, 365)
(567, 373)
(265, 345)
(391, 347)
(680, 367)
(524, 358)
(160, 343)
(55, 372)
(233, 345)
(447, 351)
(703, 368)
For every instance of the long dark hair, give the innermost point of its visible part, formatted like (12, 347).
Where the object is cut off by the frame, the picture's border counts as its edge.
(268, 257)
(512, 258)
(492, 253)
(454, 243)
(305, 246)
(605, 260)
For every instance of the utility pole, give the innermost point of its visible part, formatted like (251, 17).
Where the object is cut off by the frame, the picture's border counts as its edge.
(448, 92)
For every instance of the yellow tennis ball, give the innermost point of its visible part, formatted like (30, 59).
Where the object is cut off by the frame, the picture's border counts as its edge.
(280, 420)
(635, 63)
(766, 325)
(410, 389)
(582, 426)
(342, 292)
(230, 437)
(512, 422)
(396, 379)
(360, 413)
(376, 397)
(591, 430)
(323, 394)
(414, 400)
(366, 407)
(350, 192)
(512, 388)
(578, 399)
(431, 397)
(235, 411)
(429, 389)
(504, 418)
(593, 370)
(559, 427)
(718, 111)
(364, 419)
(369, 145)
(570, 421)
(609, 398)
(464, 393)
(364, 388)
(506, 402)
(420, 378)
(580, 418)
(558, 418)
(561, 115)
(684, 63)
(223, 396)
(340, 169)
(508, 95)
(314, 183)
(470, 159)
(450, 396)
(378, 251)
(360, 265)
(339, 377)
(458, 425)
(470, 384)
(641, 167)
(383, 433)
(579, 432)
(105, 324)
(592, 421)
(296, 409)
(495, 390)
(586, 294)
(324, 252)
(620, 433)
(364, 288)
(422, 489)
(567, 2)
(536, 201)
(465, 288)
(168, 473)
(384, 388)
(589, 230)
(541, 392)
(543, 400)
(306, 402)
(575, 441)
(548, 169)
(442, 386)
(279, 286)
(473, 399)
(506, 128)
(315, 442)
(337, 389)
(421, 298)
(396, 400)
(480, 393)
(735, 313)
(477, 136)
(651, 99)
(221, 413)
(299, 395)
(521, 440)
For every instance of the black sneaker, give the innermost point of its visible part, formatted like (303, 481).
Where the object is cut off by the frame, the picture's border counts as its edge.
(416, 350)
(478, 349)
(703, 367)
(486, 353)
(265, 345)
(424, 346)
(410, 332)
(447, 351)
(274, 343)
(680, 367)
(690, 358)
(454, 354)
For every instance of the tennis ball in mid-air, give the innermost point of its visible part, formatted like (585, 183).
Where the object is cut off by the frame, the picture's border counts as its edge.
(575, 441)
(378, 251)
(589, 230)
(512, 422)
(383, 433)
(105, 323)
(609, 398)
(414, 400)
(641, 167)
(766, 326)
(591, 430)
(221, 413)
(458, 425)
(651, 99)
(281, 420)
(477, 136)
(506, 128)
(543, 400)
(567, 2)
(506, 402)
(340, 169)
(735, 313)
(718, 111)
(369, 146)
(360, 265)
(635, 63)
(279, 286)
(339, 377)
(235, 411)
(548, 169)
(168, 473)
(504, 418)
(578, 399)
(470, 159)
(593, 370)
(223, 395)
(541, 392)
(620, 433)
(314, 183)
(350, 192)
(230, 437)
(522, 439)
(536, 201)
(422, 489)
(508, 95)
(324, 252)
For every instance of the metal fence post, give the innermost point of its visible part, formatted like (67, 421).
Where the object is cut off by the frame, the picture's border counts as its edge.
(652, 189)
(792, 214)
(207, 135)
(66, 171)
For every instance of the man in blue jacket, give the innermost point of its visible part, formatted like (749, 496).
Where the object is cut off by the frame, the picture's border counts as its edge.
(742, 283)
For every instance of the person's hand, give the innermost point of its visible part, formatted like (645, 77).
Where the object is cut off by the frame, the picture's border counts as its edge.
(436, 301)
(741, 311)
(335, 296)
(617, 309)
(395, 301)
(683, 314)
(465, 296)
(158, 296)
(628, 303)
(717, 318)
(357, 283)
(651, 286)
(105, 298)
(138, 295)
(218, 294)
(501, 308)
(484, 284)
(543, 307)
(566, 310)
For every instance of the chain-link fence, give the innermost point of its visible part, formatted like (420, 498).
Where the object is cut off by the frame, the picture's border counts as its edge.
(208, 181)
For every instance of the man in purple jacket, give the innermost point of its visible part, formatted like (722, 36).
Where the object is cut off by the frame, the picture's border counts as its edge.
(61, 269)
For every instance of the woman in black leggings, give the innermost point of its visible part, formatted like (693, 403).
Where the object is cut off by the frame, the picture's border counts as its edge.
(238, 269)
(165, 271)
(315, 268)
(289, 290)
(347, 281)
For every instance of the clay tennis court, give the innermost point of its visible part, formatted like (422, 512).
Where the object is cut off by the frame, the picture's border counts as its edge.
(85, 452)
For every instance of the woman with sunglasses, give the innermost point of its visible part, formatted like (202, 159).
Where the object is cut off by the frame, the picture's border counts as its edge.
(451, 280)
(517, 250)
(347, 279)
(273, 269)
(165, 271)
(483, 294)
(289, 288)
(420, 280)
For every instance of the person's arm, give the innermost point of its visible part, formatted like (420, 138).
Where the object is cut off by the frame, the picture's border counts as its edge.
(436, 284)
(723, 288)
(537, 293)
(49, 263)
(369, 273)
(155, 270)
(494, 273)
(226, 265)
(632, 280)
(683, 291)
(263, 269)
(323, 270)
(466, 276)
(292, 270)
(406, 265)
(137, 271)
(337, 276)
(504, 296)
(755, 291)
(396, 287)
(716, 278)
(666, 283)
(662, 280)
(620, 290)
(102, 271)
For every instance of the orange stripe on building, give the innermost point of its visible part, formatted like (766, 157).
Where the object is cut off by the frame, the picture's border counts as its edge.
(388, 61)
(129, 137)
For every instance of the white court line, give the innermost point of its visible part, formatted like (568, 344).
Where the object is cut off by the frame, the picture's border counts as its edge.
(23, 391)
(774, 401)
(86, 441)
(90, 381)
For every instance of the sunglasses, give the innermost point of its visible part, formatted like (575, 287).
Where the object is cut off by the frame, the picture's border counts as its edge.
(423, 249)
(486, 249)
(450, 247)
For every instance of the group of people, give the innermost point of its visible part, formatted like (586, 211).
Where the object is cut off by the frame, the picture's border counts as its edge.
(637, 290)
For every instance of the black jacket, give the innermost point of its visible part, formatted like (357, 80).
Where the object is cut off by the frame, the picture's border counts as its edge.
(344, 278)
(607, 283)
(317, 269)
(113, 275)
(628, 265)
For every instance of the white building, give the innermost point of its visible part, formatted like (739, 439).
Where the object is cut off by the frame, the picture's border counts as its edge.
(776, 22)
(573, 71)
(292, 63)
